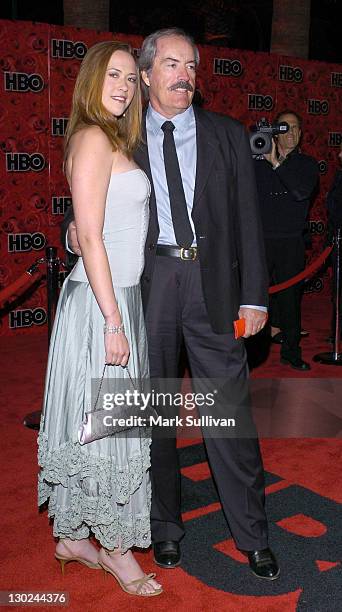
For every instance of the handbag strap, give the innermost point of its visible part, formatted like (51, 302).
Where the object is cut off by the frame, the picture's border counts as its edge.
(101, 381)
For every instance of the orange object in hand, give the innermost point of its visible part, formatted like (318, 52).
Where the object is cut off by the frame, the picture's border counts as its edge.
(239, 328)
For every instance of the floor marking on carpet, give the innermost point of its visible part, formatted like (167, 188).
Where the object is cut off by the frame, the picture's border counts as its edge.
(227, 547)
(197, 472)
(192, 514)
(324, 566)
(303, 525)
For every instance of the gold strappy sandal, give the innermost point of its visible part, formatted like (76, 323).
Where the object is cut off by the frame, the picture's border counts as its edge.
(63, 560)
(139, 583)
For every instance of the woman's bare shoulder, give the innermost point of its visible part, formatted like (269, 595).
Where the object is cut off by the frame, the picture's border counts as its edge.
(91, 136)
(88, 145)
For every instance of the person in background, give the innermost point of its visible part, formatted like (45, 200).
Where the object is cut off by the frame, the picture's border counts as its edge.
(286, 180)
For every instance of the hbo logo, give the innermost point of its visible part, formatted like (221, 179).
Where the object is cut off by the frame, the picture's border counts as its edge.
(20, 81)
(20, 243)
(258, 102)
(288, 73)
(66, 49)
(322, 166)
(23, 162)
(336, 79)
(28, 317)
(318, 107)
(335, 139)
(227, 67)
(314, 285)
(316, 227)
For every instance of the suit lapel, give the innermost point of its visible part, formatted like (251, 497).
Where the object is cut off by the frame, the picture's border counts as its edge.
(206, 145)
(141, 153)
(142, 159)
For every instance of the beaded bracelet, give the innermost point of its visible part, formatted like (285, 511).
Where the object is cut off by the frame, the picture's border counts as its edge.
(113, 329)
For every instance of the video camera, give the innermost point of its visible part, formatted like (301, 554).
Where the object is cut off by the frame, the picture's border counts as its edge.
(262, 134)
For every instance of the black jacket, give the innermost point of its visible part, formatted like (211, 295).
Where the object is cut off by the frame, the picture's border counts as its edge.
(285, 193)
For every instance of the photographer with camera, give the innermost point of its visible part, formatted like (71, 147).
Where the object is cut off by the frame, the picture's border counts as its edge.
(286, 180)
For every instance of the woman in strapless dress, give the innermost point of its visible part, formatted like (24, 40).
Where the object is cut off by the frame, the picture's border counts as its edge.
(102, 488)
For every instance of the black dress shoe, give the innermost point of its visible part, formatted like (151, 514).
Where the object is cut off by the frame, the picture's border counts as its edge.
(167, 554)
(263, 564)
(296, 364)
(304, 333)
(278, 338)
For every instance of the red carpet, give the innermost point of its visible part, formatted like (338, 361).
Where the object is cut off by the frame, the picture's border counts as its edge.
(303, 490)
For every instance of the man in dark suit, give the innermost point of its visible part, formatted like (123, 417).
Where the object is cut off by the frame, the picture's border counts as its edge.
(204, 268)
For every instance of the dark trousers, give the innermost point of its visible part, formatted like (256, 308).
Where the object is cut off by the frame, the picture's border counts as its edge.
(176, 311)
(285, 259)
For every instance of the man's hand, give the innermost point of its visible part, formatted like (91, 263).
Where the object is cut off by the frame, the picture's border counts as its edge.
(272, 157)
(255, 320)
(72, 239)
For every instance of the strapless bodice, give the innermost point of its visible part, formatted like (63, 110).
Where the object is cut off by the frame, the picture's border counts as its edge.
(124, 229)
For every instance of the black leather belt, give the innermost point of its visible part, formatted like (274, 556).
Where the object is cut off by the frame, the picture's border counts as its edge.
(189, 254)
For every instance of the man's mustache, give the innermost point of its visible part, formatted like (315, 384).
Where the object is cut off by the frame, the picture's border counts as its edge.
(182, 85)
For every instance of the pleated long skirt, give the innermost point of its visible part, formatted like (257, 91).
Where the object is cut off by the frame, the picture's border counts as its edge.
(102, 487)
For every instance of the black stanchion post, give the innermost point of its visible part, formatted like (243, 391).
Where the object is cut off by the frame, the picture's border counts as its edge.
(335, 357)
(52, 269)
(32, 420)
(338, 294)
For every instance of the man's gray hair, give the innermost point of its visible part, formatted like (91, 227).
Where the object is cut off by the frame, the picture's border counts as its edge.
(149, 49)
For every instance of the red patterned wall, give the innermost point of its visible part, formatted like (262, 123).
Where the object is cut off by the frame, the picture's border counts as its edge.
(39, 64)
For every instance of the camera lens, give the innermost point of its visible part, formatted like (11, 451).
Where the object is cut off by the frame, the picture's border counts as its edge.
(259, 142)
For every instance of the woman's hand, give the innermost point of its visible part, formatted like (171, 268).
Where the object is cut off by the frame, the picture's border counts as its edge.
(116, 349)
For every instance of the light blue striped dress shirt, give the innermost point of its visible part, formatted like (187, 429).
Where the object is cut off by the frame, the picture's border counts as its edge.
(185, 141)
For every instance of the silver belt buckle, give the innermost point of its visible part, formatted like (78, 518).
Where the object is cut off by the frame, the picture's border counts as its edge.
(188, 254)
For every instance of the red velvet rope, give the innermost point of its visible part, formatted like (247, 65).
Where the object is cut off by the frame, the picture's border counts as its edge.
(12, 290)
(304, 274)
(27, 277)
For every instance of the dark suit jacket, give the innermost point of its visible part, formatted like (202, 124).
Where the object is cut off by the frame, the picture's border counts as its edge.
(226, 218)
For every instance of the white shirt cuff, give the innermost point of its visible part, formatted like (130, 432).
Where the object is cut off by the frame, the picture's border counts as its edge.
(262, 308)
